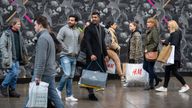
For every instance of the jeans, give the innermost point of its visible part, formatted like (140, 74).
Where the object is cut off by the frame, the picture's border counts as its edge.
(149, 67)
(52, 93)
(68, 65)
(12, 75)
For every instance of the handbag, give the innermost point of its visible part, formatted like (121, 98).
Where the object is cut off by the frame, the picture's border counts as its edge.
(93, 78)
(38, 95)
(81, 57)
(171, 58)
(164, 54)
(151, 56)
(135, 74)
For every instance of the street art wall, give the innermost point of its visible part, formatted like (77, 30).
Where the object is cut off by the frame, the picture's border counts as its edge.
(121, 11)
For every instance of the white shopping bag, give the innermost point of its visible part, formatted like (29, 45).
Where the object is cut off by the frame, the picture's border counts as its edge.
(38, 95)
(171, 58)
(136, 74)
(111, 68)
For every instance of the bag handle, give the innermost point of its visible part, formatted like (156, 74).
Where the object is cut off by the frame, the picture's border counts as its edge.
(97, 64)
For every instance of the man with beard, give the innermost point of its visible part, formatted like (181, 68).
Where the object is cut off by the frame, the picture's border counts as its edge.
(94, 36)
(69, 37)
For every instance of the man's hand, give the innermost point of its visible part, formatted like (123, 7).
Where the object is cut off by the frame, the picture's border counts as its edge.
(93, 58)
(37, 81)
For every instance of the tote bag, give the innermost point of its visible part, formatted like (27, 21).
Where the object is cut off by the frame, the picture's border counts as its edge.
(111, 68)
(93, 78)
(164, 54)
(38, 95)
(136, 74)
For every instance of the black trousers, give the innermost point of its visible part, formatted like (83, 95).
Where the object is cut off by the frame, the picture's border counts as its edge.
(172, 68)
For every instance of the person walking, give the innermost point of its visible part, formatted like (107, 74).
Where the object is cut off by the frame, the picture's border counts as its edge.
(174, 39)
(96, 52)
(13, 50)
(69, 36)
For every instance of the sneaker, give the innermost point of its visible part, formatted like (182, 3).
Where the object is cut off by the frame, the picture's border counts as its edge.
(161, 89)
(184, 89)
(59, 93)
(71, 98)
(123, 79)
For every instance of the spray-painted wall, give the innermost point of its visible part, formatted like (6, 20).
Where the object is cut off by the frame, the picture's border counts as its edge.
(121, 11)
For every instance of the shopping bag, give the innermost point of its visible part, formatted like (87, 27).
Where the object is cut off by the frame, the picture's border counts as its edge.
(171, 58)
(165, 53)
(111, 68)
(81, 57)
(38, 95)
(93, 78)
(135, 74)
(151, 56)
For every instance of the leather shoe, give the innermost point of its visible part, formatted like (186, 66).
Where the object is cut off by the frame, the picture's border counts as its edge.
(93, 97)
(149, 88)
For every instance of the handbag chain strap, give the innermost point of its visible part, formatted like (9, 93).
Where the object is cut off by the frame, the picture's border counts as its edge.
(97, 64)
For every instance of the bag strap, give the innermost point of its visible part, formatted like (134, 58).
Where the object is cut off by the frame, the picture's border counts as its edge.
(97, 64)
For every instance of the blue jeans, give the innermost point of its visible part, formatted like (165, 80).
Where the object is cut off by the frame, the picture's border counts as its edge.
(149, 67)
(52, 93)
(12, 75)
(68, 65)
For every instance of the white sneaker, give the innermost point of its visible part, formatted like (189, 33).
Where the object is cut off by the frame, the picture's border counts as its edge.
(59, 93)
(161, 89)
(71, 98)
(184, 89)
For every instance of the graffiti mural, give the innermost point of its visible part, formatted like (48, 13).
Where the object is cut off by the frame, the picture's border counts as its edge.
(121, 11)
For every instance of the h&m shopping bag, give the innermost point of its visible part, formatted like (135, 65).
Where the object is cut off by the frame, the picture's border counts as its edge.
(111, 68)
(38, 95)
(93, 78)
(136, 74)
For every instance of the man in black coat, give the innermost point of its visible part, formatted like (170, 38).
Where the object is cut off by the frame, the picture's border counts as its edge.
(94, 36)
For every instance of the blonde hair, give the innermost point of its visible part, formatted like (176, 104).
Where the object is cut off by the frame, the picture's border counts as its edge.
(152, 20)
(173, 25)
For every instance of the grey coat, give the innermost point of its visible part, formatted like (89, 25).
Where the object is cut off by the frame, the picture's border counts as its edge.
(7, 48)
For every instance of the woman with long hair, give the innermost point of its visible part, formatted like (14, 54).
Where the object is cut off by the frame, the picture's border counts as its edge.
(174, 39)
(151, 45)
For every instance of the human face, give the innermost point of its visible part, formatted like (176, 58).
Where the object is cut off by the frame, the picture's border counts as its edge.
(17, 26)
(37, 27)
(114, 26)
(71, 22)
(132, 28)
(95, 19)
(150, 24)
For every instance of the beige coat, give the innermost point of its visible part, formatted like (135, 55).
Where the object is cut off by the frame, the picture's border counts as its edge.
(114, 44)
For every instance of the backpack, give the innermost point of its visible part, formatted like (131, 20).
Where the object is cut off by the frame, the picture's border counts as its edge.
(58, 45)
(108, 38)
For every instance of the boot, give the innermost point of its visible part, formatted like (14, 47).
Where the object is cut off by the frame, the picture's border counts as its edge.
(13, 93)
(4, 91)
(93, 97)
